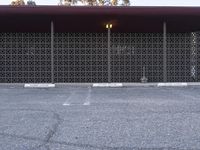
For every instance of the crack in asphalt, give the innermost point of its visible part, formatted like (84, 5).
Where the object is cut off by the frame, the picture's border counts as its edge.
(85, 145)
(50, 133)
(53, 130)
(81, 145)
(48, 138)
(22, 137)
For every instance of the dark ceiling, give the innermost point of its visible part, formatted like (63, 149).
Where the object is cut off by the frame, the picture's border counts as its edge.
(93, 19)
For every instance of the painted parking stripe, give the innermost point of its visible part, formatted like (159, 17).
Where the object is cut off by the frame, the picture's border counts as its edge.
(71, 99)
(86, 103)
(87, 100)
(66, 103)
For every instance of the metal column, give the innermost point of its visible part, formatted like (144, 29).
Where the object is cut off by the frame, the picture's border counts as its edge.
(109, 57)
(164, 52)
(52, 52)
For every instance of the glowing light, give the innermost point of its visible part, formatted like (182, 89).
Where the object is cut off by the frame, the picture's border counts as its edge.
(109, 26)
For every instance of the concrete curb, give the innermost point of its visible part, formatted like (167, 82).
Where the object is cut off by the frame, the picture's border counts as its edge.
(162, 84)
(174, 84)
(107, 85)
(39, 85)
(62, 85)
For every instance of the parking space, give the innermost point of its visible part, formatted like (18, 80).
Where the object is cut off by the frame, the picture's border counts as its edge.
(85, 118)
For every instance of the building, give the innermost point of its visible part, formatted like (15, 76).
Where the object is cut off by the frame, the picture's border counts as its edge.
(59, 44)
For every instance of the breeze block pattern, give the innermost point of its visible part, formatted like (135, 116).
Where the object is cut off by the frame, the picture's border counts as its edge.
(83, 57)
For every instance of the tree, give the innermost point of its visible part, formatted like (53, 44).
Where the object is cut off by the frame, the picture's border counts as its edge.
(70, 2)
(18, 2)
(126, 3)
(31, 3)
(96, 2)
(114, 2)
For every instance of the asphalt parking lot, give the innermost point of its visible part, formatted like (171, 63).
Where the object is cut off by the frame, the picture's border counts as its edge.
(84, 118)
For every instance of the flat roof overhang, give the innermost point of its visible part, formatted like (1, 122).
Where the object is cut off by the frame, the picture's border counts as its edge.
(94, 19)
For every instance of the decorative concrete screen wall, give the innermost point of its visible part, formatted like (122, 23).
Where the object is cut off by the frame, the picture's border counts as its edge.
(183, 51)
(136, 54)
(25, 57)
(83, 57)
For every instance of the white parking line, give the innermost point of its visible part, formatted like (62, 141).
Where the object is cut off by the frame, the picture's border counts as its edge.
(66, 103)
(86, 101)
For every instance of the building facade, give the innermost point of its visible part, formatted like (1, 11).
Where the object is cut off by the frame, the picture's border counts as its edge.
(56, 44)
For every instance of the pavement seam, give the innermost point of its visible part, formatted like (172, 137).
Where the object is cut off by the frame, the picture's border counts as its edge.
(88, 145)
(50, 134)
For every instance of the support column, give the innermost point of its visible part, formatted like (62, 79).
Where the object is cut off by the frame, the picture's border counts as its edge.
(193, 59)
(109, 56)
(52, 52)
(164, 52)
